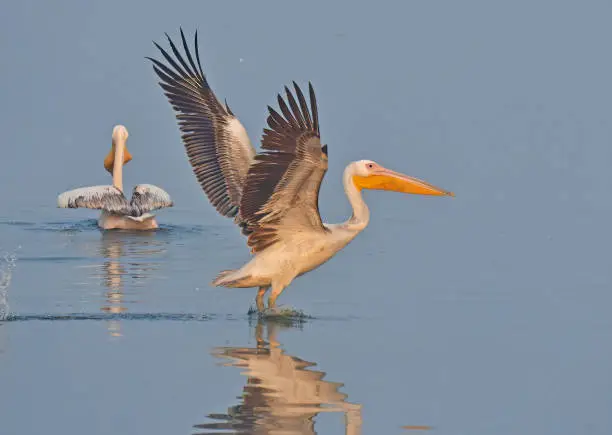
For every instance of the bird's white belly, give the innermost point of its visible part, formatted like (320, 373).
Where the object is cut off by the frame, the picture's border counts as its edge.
(290, 259)
(313, 256)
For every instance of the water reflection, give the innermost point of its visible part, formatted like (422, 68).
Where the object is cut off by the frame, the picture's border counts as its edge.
(280, 396)
(130, 260)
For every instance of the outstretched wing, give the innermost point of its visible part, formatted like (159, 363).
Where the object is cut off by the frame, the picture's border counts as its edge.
(281, 194)
(217, 144)
(107, 198)
(146, 198)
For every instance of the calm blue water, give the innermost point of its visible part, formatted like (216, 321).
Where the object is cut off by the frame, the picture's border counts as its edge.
(488, 313)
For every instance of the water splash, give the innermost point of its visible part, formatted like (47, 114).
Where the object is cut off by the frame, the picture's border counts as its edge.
(8, 262)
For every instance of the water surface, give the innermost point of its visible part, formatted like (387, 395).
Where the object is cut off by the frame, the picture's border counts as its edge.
(487, 313)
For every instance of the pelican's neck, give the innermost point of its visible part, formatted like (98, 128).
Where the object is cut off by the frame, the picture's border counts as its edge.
(118, 164)
(361, 213)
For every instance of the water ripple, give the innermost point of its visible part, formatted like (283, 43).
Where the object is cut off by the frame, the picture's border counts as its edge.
(181, 317)
(91, 224)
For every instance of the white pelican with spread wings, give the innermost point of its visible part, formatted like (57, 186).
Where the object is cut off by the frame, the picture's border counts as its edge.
(272, 195)
(117, 212)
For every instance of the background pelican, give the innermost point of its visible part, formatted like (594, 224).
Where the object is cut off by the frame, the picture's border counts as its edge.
(273, 195)
(117, 212)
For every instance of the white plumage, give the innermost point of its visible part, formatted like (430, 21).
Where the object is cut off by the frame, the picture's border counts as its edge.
(272, 195)
(145, 198)
(117, 211)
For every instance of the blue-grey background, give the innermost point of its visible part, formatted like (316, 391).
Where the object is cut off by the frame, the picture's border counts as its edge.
(488, 313)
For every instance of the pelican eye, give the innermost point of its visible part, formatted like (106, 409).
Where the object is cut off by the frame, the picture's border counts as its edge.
(370, 165)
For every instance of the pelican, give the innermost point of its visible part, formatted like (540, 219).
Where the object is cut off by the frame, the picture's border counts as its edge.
(117, 212)
(273, 196)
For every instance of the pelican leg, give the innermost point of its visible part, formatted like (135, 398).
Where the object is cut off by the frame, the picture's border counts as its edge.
(259, 300)
(276, 291)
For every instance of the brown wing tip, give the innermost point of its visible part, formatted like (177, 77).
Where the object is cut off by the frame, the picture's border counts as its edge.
(298, 115)
(313, 107)
(228, 108)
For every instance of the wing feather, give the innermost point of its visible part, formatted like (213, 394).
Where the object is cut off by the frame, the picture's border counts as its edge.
(295, 109)
(107, 198)
(303, 105)
(217, 145)
(147, 197)
(282, 186)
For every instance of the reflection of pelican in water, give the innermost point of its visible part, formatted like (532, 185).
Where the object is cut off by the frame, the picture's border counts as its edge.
(281, 396)
(119, 250)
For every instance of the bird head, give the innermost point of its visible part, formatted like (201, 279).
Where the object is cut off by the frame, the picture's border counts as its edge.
(370, 175)
(120, 136)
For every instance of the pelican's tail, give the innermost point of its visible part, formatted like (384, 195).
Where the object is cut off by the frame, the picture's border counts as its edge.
(142, 218)
(232, 278)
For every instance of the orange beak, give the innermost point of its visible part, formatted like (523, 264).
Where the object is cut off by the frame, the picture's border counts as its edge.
(109, 161)
(386, 179)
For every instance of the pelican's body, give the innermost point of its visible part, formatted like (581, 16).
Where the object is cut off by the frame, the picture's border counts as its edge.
(112, 221)
(297, 253)
(117, 212)
(273, 195)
